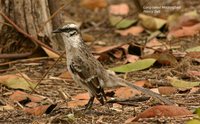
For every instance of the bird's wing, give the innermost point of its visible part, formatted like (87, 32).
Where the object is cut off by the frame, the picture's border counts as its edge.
(87, 75)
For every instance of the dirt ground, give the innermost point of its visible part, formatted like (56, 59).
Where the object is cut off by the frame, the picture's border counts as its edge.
(103, 114)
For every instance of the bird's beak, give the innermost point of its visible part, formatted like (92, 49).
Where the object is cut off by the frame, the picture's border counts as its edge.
(57, 31)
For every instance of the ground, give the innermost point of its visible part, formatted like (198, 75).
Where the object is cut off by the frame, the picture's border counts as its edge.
(50, 86)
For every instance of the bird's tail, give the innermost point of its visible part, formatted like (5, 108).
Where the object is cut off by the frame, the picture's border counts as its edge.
(123, 82)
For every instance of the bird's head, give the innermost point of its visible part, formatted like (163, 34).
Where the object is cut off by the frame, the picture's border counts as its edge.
(68, 30)
(71, 35)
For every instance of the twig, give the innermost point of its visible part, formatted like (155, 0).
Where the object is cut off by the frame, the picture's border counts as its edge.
(25, 60)
(35, 40)
(49, 70)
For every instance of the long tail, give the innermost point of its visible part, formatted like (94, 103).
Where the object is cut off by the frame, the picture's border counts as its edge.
(123, 82)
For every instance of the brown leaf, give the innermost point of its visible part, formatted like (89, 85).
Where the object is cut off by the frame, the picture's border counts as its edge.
(88, 37)
(153, 45)
(93, 4)
(120, 9)
(82, 96)
(163, 110)
(76, 103)
(141, 83)
(167, 90)
(193, 54)
(193, 73)
(135, 31)
(20, 96)
(65, 75)
(39, 110)
(195, 90)
(118, 53)
(103, 49)
(132, 58)
(184, 31)
(126, 92)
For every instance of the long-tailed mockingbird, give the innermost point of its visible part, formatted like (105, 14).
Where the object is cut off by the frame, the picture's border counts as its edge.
(89, 72)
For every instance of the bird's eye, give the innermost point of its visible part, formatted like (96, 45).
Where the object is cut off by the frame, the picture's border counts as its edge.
(73, 32)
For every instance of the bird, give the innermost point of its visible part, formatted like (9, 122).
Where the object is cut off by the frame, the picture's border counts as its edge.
(88, 72)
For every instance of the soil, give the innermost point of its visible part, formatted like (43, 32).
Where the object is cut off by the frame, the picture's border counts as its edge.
(103, 114)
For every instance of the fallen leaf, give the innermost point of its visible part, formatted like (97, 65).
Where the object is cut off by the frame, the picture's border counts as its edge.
(155, 34)
(195, 55)
(195, 90)
(65, 75)
(130, 121)
(193, 73)
(121, 23)
(117, 107)
(82, 96)
(184, 31)
(132, 58)
(93, 4)
(77, 103)
(155, 90)
(130, 67)
(182, 84)
(50, 53)
(16, 81)
(151, 23)
(153, 45)
(194, 49)
(176, 21)
(119, 9)
(102, 49)
(141, 83)
(197, 111)
(135, 31)
(193, 121)
(20, 96)
(118, 53)
(126, 92)
(167, 90)
(87, 37)
(6, 108)
(163, 110)
(40, 110)
(166, 58)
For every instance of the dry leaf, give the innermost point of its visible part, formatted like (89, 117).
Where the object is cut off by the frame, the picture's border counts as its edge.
(126, 92)
(20, 96)
(163, 110)
(184, 31)
(17, 81)
(151, 23)
(118, 53)
(154, 44)
(77, 103)
(88, 37)
(103, 49)
(167, 90)
(50, 53)
(65, 75)
(39, 110)
(193, 73)
(135, 31)
(82, 96)
(120, 9)
(132, 58)
(93, 4)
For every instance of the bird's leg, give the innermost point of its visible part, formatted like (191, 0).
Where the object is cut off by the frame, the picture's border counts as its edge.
(90, 103)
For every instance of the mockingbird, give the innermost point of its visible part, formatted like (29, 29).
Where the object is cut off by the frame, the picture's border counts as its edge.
(89, 72)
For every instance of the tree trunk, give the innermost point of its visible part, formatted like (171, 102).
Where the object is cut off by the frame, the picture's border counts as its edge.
(32, 16)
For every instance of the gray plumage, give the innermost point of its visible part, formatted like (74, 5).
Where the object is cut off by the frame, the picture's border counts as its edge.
(89, 72)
